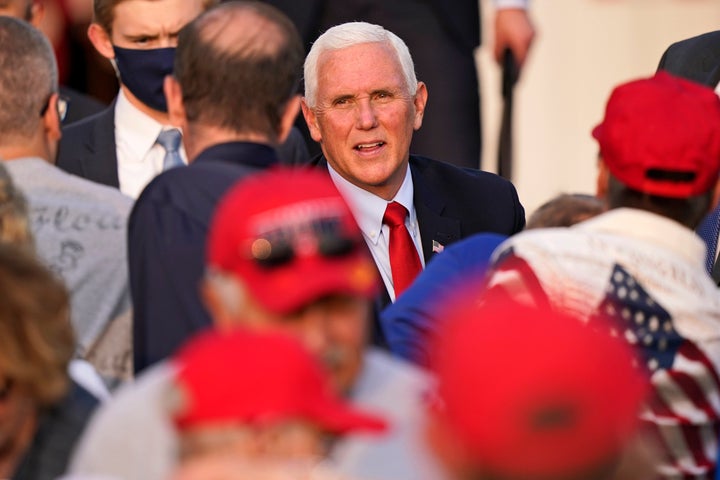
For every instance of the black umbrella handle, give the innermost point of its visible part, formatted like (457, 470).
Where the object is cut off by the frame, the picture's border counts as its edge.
(510, 74)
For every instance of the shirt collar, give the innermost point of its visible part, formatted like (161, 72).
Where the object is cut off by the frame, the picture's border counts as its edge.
(245, 153)
(134, 128)
(369, 209)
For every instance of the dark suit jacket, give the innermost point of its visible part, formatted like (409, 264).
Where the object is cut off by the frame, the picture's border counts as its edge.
(80, 105)
(453, 203)
(167, 231)
(697, 59)
(87, 149)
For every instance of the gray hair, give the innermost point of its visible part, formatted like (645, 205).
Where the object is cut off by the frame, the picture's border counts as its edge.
(348, 35)
(28, 76)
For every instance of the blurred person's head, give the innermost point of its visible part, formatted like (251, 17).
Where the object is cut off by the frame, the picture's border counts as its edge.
(362, 104)
(29, 10)
(565, 210)
(29, 115)
(295, 260)
(259, 397)
(660, 148)
(236, 75)
(527, 393)
(14, 220)
(36, 345)
(139, 37)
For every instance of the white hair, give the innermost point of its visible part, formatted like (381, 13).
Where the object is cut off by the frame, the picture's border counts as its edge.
(348, 35)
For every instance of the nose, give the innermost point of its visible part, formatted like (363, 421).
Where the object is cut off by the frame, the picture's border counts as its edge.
(366, 118)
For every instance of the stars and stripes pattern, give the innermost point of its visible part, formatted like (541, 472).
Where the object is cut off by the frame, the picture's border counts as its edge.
(684, 410)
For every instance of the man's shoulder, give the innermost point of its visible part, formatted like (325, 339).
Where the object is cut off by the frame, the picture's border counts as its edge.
(383, 372)
(483, 201)
(696, 43)
(82, 129)
(40, 179)
(694, 58)
(435, 170)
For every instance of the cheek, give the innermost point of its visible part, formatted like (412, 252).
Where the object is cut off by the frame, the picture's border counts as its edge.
(348, 329)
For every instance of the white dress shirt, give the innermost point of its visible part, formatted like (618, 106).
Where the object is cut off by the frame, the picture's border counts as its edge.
(369, 209)
(500, 4)
(139, 158)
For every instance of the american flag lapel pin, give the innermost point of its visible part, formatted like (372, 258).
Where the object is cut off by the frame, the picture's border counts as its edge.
(438, 247)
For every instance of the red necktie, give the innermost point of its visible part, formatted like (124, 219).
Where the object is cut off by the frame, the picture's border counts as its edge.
(404, 261)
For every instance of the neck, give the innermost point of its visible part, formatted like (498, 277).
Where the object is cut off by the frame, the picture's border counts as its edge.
(197, 138)
(158, 116)
(26, 148)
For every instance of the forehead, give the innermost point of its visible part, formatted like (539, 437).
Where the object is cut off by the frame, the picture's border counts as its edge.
(363, 67)
(143, 16)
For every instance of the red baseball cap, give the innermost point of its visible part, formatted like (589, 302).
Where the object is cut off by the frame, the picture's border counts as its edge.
(532, 393)
(292, 239)
(259, 378)
(661, 136)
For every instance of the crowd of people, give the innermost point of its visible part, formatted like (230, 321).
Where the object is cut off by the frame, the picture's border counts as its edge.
(249, 266)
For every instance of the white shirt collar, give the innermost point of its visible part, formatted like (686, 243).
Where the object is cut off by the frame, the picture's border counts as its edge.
(135, 130)
(368, 209)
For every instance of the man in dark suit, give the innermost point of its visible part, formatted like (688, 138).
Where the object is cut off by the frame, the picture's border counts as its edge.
(362, 104)
(121, 145)
(443, 36)
(698, 59)
(230, 130)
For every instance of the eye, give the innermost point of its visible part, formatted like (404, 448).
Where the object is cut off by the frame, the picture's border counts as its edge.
(342, 102)
(383, 96)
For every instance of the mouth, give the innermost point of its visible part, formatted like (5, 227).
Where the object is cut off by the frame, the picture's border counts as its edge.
(367, 147)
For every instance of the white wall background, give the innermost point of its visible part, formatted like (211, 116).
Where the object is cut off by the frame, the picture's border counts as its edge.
(583, 49)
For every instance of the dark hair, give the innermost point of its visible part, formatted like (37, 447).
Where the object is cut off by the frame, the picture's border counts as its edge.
(687, 211)
(238, 65)
(566, 210)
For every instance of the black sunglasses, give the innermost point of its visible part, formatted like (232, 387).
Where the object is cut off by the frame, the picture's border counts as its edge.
(278, 247)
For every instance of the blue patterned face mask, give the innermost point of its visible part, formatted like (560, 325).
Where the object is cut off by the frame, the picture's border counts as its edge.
(143, 73)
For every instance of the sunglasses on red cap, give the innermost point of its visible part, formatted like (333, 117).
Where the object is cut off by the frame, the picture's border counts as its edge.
(325, 237)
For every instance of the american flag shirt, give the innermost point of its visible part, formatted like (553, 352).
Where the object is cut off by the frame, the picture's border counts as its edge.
(647, 274)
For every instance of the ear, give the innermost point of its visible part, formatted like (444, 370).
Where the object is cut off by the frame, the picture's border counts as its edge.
(101, 40)
(292, 108)
(176, 107)
(51, 120)
(421, 97)
(224, 297)
(37, 13)
(603, 179)
(311, 121)
(716, 196)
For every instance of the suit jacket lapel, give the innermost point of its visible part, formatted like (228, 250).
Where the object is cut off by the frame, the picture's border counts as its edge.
(100, 162)
(429, 208)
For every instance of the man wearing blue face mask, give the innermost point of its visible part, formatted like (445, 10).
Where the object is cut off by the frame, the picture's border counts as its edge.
(129, 143)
